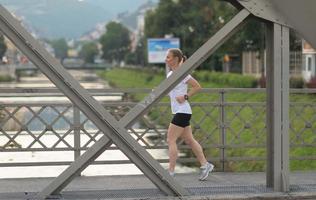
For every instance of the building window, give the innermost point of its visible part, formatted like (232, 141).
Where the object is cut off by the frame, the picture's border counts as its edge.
(309, 64)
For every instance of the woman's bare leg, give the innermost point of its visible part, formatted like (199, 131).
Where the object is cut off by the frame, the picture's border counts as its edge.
(195, 146)
(174, 132)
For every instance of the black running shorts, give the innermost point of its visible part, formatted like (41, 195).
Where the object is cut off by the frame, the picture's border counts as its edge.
(181, 119)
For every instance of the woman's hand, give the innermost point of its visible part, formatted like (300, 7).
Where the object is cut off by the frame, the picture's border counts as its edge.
(180, 99)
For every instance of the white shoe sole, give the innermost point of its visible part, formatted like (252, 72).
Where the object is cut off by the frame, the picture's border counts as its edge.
(209, 171)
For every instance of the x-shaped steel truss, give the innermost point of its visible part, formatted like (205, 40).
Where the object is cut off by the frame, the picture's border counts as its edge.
(115, 131)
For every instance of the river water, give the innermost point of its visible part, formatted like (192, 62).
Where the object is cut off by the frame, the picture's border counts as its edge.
(55, 156)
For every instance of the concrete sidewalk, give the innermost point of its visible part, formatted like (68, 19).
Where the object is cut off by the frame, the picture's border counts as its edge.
(218, 186)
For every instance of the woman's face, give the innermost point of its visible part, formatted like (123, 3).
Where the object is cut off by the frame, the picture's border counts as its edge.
(172, 61)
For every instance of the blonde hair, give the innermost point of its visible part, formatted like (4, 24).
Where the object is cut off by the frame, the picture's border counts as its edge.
(178, 54)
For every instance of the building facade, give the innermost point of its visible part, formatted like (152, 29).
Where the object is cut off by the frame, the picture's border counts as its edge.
(309, 61)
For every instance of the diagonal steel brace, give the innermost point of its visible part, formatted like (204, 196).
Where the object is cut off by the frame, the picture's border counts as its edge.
(88, 105)
(96, 113)
(103, 143)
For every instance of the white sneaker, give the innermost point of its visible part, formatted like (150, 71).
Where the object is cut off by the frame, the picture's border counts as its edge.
(205, 170)
(171, 173)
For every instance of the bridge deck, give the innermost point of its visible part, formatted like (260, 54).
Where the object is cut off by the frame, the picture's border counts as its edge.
(218, 186)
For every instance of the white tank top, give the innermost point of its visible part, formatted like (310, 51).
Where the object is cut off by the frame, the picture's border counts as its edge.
(180, 90)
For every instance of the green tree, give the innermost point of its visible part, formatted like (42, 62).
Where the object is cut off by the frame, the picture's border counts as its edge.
(139, 56)
(115, 42)
(88, 52)
(295, 41)
(249, 38)
(60, 47)
(194, 22)
(3, 46)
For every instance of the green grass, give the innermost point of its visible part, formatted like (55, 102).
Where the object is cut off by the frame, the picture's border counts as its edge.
(5, 78)
(132, 78)
(247, 127)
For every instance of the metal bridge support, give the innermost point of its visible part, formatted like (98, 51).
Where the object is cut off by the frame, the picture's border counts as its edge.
(114, 131)
(103, 143)
(277, 46)
(277, 43)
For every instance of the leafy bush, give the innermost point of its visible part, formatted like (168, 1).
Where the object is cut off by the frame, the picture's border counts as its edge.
(5, 78)
(149, 78)
(296, 82)
(311, 83)
(262, 82)
(227, 79)
(206, 77)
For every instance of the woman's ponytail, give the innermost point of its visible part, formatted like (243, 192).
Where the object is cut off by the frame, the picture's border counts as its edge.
(178, 53)
(184, 58)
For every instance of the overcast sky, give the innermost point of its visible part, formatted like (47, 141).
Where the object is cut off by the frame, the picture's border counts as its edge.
(68, 18)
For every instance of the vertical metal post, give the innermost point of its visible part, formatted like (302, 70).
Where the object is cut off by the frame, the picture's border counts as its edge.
(269, 84)
(222, 130)
(285, 108)
(277, 107)
(76, 127)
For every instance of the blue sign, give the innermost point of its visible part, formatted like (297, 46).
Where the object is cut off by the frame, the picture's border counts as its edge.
(157, 48)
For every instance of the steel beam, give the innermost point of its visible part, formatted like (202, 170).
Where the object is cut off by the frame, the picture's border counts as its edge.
(264, 9)
(89, 106)
(301, 15)
(194, 61)
(292, 13)
(285, 128)
(277, 175)
(96, 113)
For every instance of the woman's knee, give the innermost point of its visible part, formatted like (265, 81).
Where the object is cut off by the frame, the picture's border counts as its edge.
(189, 141)
(171, 141)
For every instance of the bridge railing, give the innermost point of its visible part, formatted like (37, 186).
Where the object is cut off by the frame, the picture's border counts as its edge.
(230, 124)
(67, 65)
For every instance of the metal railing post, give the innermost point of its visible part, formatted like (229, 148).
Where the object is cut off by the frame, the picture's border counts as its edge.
(222, 130)
(76, 128)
